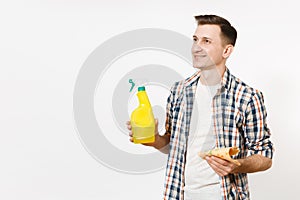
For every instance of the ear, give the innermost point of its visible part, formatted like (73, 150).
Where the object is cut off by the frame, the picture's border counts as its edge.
(228, 50)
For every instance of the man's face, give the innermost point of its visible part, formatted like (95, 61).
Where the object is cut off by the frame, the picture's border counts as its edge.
(207, 49)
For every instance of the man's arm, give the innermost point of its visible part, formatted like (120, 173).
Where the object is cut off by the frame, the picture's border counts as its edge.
(257, 141)
(161, 142)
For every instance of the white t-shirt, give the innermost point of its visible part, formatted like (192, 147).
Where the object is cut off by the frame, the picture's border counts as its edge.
(201, 181)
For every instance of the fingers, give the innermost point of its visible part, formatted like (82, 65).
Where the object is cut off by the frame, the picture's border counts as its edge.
(156, 126)
(130, 138)
(128, 125)
(130, 131)
(148, 144)
(220, 166)
(215, 167)
(130, 128)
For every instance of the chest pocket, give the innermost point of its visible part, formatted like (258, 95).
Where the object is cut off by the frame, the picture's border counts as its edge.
(233, 121)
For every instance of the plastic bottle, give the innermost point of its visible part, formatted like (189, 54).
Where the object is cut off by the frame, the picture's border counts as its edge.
(142, 119)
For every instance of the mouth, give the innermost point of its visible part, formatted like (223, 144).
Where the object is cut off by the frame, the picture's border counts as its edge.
(199, 55)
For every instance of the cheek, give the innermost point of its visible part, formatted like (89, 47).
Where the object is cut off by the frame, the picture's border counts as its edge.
(212, 54)
(216, 54)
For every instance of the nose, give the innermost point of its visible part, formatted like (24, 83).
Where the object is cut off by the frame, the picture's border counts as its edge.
(196, 47)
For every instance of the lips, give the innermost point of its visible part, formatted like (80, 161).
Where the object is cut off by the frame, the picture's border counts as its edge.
(199, 56)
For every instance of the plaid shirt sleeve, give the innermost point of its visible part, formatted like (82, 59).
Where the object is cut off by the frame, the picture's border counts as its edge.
(169, 112)
(256, 131)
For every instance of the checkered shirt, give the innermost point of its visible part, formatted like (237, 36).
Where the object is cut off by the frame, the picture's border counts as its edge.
(239, 118)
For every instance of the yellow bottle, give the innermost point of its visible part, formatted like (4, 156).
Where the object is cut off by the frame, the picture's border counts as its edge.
(142, 119)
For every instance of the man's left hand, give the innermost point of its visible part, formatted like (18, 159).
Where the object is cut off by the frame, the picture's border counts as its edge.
(220, 166)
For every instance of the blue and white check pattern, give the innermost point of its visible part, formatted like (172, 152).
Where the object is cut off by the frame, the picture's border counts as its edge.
(239, 120)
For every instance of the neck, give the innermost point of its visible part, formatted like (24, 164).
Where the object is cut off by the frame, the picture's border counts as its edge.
(212, 75)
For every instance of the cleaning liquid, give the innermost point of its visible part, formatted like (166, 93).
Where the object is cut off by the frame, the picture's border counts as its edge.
(142, 119)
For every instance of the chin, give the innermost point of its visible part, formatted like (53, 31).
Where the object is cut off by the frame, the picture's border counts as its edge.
(202, 67)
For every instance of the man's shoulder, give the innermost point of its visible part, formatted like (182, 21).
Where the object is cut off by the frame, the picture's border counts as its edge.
(177, 86)
(237, 83)
(247, 92)
(191, 80)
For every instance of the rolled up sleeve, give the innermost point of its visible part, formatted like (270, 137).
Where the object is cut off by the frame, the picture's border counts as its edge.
(256, 131)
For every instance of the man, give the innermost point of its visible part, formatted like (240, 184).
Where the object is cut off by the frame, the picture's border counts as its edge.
(210, 109)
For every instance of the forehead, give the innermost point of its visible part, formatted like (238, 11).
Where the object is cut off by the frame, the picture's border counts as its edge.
(208, 30)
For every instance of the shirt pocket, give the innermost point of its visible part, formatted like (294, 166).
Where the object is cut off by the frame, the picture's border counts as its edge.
(232, 127)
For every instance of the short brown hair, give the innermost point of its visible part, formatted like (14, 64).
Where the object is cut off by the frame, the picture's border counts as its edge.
(228, 32)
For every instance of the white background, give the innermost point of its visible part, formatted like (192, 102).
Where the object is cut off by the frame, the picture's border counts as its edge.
(42, 47)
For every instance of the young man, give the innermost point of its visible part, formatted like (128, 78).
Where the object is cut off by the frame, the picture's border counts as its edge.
(210, 109)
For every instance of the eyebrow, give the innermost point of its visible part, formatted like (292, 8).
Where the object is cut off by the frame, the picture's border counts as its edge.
(194, 36)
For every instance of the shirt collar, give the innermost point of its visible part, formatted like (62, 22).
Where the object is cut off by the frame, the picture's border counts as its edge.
(226, 79)
(225, 83)
(192, 79)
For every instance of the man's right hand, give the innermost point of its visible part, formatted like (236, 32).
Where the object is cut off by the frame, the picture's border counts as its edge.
(146, 144)
(160, 143)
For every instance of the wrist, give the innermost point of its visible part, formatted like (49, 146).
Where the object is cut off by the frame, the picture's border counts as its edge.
(160, 141)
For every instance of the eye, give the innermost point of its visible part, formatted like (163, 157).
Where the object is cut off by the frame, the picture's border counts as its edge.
(194, 39)
(207, 41)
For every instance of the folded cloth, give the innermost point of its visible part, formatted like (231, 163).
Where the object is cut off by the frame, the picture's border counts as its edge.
(223, 153)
